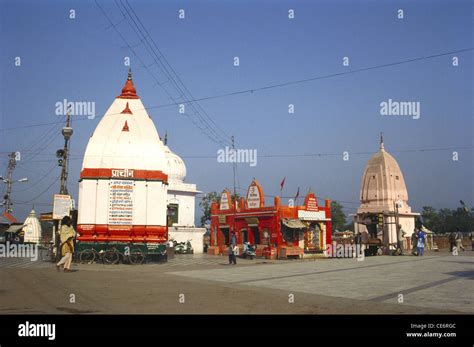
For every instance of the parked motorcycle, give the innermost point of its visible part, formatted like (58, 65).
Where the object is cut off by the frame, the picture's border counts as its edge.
(249, 251)
(183, 248)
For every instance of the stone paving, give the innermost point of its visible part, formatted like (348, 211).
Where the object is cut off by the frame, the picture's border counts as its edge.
(438, 281)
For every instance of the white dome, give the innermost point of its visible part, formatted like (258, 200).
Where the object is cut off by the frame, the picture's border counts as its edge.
(32, 228)
(176, 166)
(126, 137)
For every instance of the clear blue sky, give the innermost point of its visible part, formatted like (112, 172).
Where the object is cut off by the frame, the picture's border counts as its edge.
(82, 60)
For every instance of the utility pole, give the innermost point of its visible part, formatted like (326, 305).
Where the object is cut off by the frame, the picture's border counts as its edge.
(64, 155)
(9, 182)
(235, 196)
(63, 161)
(7, 198)
(235, 161)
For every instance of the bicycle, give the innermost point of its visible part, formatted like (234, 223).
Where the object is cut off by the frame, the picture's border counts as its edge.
(111, 256)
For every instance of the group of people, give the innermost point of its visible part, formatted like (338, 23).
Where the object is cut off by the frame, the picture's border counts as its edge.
(418, 239)
(455, 241)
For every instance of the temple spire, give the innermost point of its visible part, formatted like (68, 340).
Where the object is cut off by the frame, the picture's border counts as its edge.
(128, 91)
(381, 142)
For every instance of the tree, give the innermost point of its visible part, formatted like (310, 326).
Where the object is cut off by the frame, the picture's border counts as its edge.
(206, 203)
(350, 225)
(430, 218)
(338, 218)
(446, 220)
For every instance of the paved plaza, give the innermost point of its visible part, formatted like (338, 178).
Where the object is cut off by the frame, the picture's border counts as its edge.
(436, 283)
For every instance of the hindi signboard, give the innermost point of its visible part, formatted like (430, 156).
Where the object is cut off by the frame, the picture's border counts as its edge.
(225, 203)
(120, 202)
(255, 197)
(311, 202)
(61, 206)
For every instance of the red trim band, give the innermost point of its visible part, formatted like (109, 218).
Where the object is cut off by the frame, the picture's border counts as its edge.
(123, 233)
(130, 174)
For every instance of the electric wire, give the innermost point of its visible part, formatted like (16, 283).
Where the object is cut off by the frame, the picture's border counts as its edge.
(267, 87)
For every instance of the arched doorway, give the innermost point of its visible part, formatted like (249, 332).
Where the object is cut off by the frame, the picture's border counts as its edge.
(256, 235)
(225, 232)
(245, 235)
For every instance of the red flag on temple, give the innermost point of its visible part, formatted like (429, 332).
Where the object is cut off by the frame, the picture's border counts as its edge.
(282, 184)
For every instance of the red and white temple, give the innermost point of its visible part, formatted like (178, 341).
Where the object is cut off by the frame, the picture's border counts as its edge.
(278, 231)
(123, 181)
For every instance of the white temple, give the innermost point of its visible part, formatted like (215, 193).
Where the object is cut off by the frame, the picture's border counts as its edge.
(383, 192)
(32, 228)
(124, 183)
(181, 203)
(131, 184)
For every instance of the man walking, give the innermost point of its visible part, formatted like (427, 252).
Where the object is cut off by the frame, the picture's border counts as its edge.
(232, 254)
(401, 236)
(414, 242)
(233, 239)
(458, 240)
(452, 240)
(67, 235)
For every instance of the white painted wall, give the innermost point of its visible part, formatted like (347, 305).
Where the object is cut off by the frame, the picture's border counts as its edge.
(149, 202)
(186, 209)
(196, 235)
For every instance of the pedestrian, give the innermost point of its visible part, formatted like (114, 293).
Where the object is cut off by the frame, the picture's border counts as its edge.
(472, 240)
(235, 253)
(458, 240)
(414, 242)
(401, 236)
(452, 240)
(233, 239)
(232, 252)
(66, 235)
(421, 242)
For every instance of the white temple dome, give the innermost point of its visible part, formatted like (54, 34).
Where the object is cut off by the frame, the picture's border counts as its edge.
(126, 137)
(383, 183)
(176, 166)
(32, 228)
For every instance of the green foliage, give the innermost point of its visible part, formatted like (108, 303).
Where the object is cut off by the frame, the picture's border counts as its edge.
(338, 218)
(206, 202)
(446, 220)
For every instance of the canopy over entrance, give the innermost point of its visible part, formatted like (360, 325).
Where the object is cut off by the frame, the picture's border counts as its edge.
(293, 223)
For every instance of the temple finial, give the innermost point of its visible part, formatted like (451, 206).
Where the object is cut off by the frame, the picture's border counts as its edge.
(166, 138)
(381, 141)
(128, 90)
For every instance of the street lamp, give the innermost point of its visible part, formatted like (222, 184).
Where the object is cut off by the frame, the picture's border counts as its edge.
(63, 155)
(67, 132)
(7, 197)
(5, 180)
